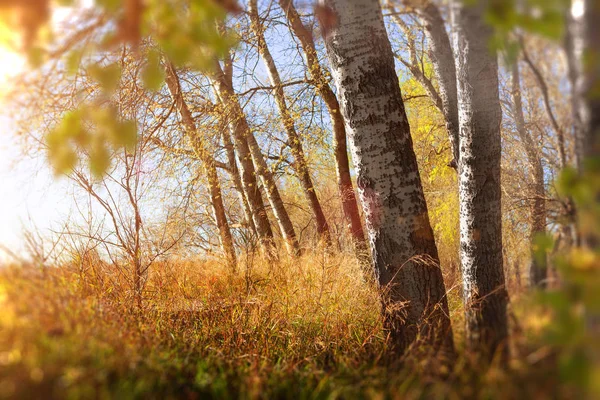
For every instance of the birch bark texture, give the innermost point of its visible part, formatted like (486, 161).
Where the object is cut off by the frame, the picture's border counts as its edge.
(442, 58)
(403, 249)
(480, 117)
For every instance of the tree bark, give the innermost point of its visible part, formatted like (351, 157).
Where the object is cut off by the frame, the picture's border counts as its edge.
(480, 117)
(248, 150)
(537, 202)
(295, 143)
(237, 180)
(342, 166)
(585, 60)
(441, 56)
(208, 163)
(403, 248)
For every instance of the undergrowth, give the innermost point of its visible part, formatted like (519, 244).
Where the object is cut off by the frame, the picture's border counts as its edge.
(297, 328)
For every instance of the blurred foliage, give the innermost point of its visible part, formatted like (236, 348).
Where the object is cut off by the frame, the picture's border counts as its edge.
(573, 308)
(546, 18)
(187, 32)
(92, 129)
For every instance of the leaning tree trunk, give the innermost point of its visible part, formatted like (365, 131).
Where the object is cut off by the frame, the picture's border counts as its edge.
(480, 117)
(295, 143)
(248, 149)
(537, 207)
(252, 193)
(442, 59)
(344, 180)
(234, 173)
(208, 162)
(403, 248)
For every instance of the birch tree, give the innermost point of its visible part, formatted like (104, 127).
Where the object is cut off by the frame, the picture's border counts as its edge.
(585, 71)
(248, 152)
(442, 58)
(208, 162)
(342, 166)
(480, 118)
(403, 248)
(294, 140)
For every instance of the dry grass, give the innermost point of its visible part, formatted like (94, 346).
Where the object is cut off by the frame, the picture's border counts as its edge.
(303, 328)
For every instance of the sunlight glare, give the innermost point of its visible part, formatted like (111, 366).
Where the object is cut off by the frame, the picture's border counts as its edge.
(11, 65)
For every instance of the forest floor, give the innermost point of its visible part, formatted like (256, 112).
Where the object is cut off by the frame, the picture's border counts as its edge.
(303, 328)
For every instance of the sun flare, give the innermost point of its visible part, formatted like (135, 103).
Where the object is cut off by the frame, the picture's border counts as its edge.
(11, 64)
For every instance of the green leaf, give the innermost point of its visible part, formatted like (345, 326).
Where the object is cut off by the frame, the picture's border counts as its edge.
(62, 158)
(153, 74)
(73, 61)
(108, 77)
(99, 159)
(126, 134)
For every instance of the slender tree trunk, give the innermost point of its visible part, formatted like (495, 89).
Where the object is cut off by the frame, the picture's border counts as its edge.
(344, 180)
(560, 135)
(537, 207)
(210, 169)
(480, 117)
(403, 248)
(247, 175)
(248, 149)
(294, 140)
(235, 177)
(442, 58)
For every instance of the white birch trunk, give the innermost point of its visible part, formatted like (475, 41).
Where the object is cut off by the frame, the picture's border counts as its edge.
(246, 143)
(480, 117)
(403, 248)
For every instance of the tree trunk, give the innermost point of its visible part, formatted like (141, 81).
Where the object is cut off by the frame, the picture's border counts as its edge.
(344, 180)
(442, 58)
(480, 117)
(210, 169)
(294, 140)
(403, 248)
(248, 149)
(537, 207)
(560, 135)
(237, 180)
(585, 35)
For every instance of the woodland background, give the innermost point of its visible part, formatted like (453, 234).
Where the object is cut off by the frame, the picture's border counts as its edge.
(188, 268)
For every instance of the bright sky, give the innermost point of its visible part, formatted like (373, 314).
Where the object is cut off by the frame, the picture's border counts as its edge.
(28, 189)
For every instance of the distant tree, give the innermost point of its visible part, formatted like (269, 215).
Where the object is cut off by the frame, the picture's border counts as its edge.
(210, 169)
(342, 166)
(250, 156)
(295, 142)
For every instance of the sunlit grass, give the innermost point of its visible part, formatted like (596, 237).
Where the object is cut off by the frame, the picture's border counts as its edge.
(303, 328)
